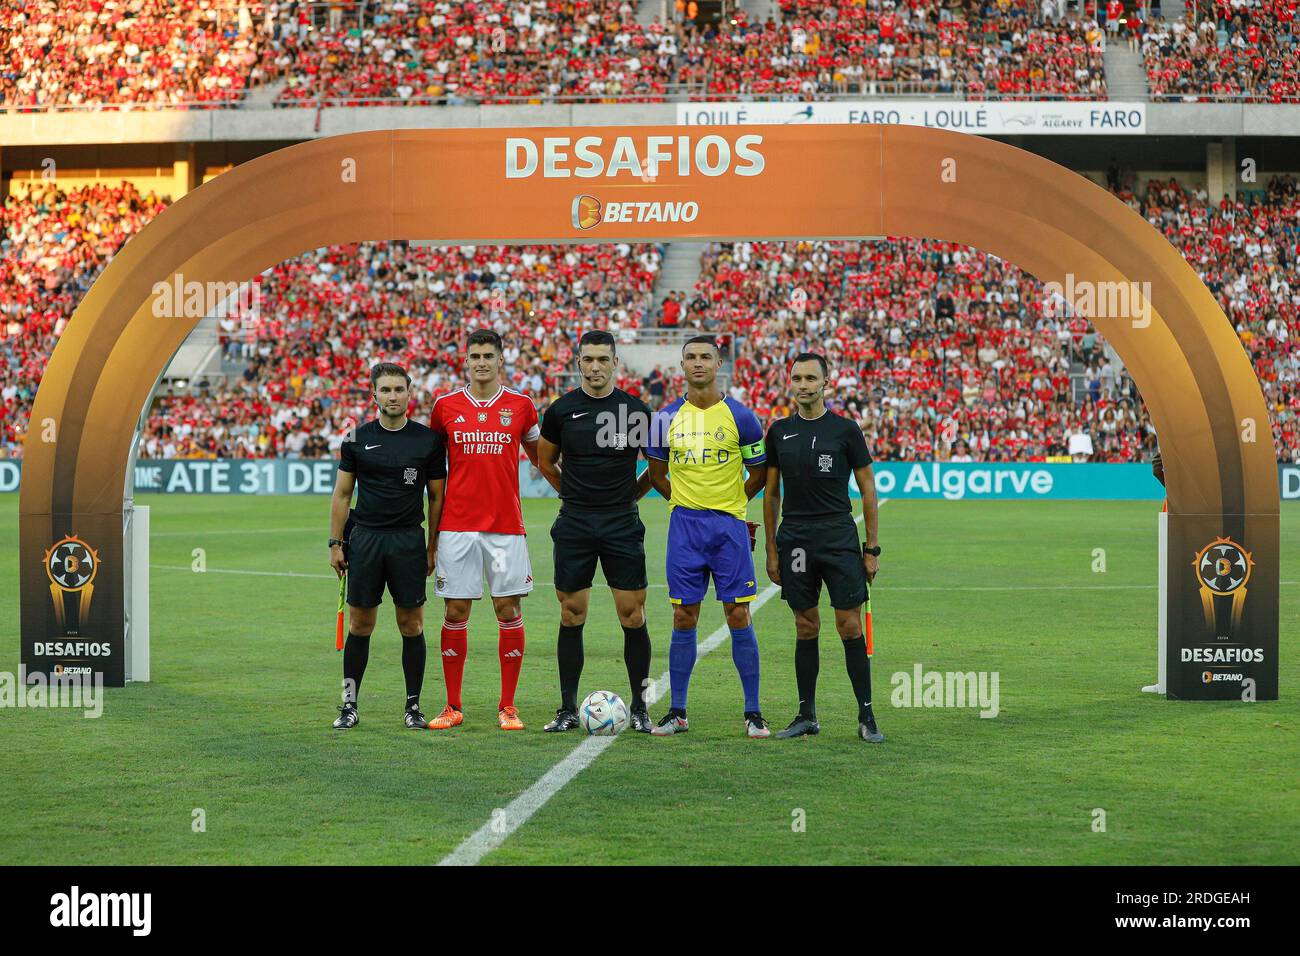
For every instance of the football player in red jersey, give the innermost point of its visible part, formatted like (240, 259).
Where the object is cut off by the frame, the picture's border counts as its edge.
(481, 530)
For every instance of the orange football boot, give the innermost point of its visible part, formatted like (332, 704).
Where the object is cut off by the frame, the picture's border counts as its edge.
(449, 718)
(509, 719)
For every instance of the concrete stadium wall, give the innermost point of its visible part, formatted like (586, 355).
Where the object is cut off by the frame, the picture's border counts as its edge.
(296, 124)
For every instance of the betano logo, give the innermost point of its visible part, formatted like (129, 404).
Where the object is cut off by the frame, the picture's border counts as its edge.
(588, 211)
(711, 155)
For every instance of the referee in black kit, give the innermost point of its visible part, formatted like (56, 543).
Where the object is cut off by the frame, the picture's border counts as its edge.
(597, 431)
(392, 461)
(813, 453)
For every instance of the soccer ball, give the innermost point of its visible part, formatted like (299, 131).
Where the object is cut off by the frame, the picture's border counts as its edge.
(603, 714)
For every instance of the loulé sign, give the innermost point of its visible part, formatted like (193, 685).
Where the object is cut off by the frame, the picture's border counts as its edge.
(780, 182)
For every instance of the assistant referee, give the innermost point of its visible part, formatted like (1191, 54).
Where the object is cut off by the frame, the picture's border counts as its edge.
(391, 462)
(810, 458)
(597, 431)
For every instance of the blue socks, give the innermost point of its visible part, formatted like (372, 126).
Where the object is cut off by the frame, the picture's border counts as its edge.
(744, 652)
(681, 661)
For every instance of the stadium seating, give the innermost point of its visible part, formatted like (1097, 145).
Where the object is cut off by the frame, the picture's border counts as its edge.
(201, 53)
(52, 246)
(329, 315)
(1236, 51)
(425, 53)
(128, 54)
(941, 351)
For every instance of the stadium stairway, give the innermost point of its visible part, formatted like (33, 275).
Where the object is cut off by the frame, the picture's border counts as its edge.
(647, 10)
(200, 353)
(262, 97)
(760, 11)
(1170, 10)
(679, 270)
(1126, 78)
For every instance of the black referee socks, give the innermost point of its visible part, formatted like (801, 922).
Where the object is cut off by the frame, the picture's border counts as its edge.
(636, 655)
(413, 657)
(356, 652)
(807, 662)
(568, 652)
(858, 665)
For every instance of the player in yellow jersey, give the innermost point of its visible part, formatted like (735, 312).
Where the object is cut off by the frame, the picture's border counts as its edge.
(706, 457)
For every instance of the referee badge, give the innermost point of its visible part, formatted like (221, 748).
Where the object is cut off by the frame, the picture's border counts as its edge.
(409, 476)
(824, 463)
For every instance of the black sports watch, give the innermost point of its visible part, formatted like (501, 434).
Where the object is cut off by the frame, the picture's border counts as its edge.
(334, 541)
(874, 552)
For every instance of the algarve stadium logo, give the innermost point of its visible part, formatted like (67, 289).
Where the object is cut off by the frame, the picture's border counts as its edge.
(71, 565)
(586, 212)
(1222, 569)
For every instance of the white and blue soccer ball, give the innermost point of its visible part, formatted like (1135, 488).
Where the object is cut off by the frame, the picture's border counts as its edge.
(603, 714)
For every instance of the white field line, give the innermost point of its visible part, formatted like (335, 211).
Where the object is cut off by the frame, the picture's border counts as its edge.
(506, 821)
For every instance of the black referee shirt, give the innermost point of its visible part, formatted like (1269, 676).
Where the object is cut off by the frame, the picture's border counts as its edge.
(599, 440)
(817, 459)
(392, 468)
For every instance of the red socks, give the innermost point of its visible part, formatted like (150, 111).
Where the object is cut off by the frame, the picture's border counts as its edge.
(510, 646)
(455, 644)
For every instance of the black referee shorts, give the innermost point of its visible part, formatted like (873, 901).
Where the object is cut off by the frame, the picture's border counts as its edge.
(813, 552)
(615, 538)
(397, 558)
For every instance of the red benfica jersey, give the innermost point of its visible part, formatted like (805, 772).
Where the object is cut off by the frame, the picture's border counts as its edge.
(483, 440)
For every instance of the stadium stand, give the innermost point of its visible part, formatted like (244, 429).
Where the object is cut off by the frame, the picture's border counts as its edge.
(941, 350)
(329, 315)
(116, 54)
(1236, 50)
(119, 54)
(52, 246)
(143, 54)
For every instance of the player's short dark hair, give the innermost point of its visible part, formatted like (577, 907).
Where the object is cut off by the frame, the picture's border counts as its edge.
(708, 340)
(812, 357)
(597, 337)
(387, 368)
(486, 337)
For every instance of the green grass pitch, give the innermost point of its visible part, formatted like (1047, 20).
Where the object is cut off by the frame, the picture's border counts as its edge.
(245, 680)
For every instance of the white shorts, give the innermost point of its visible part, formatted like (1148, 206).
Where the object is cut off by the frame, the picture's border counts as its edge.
(464, 557)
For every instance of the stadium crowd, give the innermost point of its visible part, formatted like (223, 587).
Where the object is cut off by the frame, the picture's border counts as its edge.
(940, 351)
(129, 53)
(1237, 49)
(123, 54)
(327, 316)
(140, 54)
(53, 244)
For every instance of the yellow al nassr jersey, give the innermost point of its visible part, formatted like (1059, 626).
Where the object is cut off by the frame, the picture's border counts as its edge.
(707, 450)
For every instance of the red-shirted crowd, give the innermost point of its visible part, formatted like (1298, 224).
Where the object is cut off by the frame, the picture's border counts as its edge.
(1236, 50)
(973, 48)
(131, 53)
(140, 54)
(52, 246)
(941, 351)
